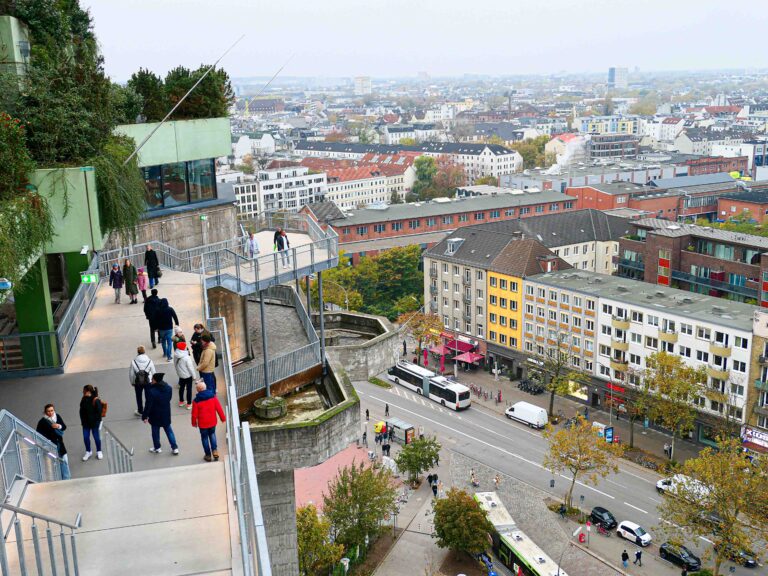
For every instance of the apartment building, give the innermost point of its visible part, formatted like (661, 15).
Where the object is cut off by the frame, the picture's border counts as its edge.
(755, 433)
(614, 124)
(287, 189)
(611, 146)
(357, 187)
(710, 261)
(611, 325)
(702, 142)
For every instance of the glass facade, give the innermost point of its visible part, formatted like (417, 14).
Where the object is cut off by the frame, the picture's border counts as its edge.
(180, 183)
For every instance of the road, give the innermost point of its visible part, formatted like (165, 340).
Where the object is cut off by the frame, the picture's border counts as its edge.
(518, 451)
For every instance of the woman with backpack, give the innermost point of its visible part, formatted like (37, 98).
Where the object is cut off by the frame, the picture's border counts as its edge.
(140, 376)
(90, 418)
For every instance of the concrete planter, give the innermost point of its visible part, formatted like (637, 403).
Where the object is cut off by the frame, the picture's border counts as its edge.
(270, 408)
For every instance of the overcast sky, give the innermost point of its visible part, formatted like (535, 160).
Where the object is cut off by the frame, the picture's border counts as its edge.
(383, 38)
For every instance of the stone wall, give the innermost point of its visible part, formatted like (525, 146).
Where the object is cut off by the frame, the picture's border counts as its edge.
(278, 507)
(226, 304)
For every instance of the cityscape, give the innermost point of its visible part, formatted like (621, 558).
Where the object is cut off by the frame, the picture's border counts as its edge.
(433, 289)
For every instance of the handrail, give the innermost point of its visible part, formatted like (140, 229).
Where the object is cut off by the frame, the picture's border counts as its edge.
(119, 456)
(43, 517)
(123, 446)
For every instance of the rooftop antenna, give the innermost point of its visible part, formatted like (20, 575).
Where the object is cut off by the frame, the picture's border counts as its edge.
(156, 128)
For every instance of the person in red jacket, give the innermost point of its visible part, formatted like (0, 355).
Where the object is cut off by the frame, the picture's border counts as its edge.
(205, 406)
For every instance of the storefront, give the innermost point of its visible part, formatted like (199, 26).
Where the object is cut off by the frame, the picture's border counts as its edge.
(754, 441)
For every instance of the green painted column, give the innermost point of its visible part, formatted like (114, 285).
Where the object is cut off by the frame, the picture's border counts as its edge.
(75, 263)
(34, 314)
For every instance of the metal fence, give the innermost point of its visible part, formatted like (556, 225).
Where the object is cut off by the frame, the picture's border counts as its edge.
(119, 457)
(31, 351)
(253, 536)
(25, 454)
(77, 310)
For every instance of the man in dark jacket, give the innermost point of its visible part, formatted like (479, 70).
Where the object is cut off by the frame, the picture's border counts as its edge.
(157, 411)
(152, 265)
(52, 426)
(165, 317)
(151, 305)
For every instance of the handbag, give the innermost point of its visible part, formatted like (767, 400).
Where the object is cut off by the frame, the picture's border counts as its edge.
(159, 273)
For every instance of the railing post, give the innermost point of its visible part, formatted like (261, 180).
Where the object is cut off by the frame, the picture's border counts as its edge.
(51, 553)
(237, 273)
(3, 552)
(262, 311)
(64, 551)
(36, 545)
(74, 554)
(19, 546)
(320, 307)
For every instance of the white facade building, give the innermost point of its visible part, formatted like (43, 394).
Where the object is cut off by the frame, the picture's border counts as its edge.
(280, 189)
(356, 187)
(363, 85)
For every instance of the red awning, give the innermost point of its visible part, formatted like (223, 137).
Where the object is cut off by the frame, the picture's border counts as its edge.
(755, 447)
(470, 357)
(440, 350)
(459, 346)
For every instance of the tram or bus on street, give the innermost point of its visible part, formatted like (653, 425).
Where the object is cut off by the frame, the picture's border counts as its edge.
(511, 545)
(443, 390)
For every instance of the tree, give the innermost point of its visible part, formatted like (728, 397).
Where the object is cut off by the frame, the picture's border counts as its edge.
(557, 370)
(725, 502)
(638, 403)
(488, 180)
(357, 500)
(417, 457)
(407, 141)
(532, 151)
(316, 551)
(335, 137)
(152, 91)
(579, 451)
(449, 177)
(426, 170)
(674, 385)
(460, 523)
(394, 198)
(461, 131)
(424, 328)
(645, 106)
(127, 102)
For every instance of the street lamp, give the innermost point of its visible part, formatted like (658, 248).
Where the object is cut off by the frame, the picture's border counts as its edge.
(346, 294)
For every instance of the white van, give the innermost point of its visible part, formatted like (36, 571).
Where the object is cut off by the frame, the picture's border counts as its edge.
(685, 485)
(527, 413)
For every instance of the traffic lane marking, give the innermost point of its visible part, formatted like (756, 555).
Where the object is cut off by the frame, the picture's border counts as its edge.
(635, 507)
(496, 448)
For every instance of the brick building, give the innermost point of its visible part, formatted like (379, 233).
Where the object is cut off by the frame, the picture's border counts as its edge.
(717, 164)
(705, 260)
(754, 202)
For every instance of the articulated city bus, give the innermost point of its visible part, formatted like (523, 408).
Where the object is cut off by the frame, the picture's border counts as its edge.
(441, 389)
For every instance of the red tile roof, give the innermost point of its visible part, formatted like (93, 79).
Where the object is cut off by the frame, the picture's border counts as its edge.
(356, 173)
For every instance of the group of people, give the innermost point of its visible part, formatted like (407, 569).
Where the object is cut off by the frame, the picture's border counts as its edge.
(436, 485)
(638, 558)
(133, 280)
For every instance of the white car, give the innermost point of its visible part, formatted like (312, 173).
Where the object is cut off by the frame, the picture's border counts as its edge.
(634, 533)
(680, 484)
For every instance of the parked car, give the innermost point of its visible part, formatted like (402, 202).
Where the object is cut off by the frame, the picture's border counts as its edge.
(680, 555)
(741, 557)
(682, 485)
(600, 515)
(634, 533)
(712, 518)
(527, 413)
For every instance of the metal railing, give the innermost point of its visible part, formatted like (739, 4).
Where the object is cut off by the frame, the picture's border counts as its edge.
(714, 284)
(24, 453)
(119, 457)
(77, 310)
(253, 536)
(31, 351)
(67, 558)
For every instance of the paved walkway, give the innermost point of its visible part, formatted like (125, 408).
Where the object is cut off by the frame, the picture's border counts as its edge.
(103, 352)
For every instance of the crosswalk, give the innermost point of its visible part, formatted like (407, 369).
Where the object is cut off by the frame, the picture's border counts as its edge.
(418, 399)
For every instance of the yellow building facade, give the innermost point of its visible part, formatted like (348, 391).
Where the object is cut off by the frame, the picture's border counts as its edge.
(504, 310)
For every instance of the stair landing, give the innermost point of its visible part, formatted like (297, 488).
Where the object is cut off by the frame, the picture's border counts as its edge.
(170, 521)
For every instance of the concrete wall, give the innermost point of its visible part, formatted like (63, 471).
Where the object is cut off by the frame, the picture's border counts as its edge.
(181, 140)
(278, 506)
(226, 304)
(371, 358)
(12, 31)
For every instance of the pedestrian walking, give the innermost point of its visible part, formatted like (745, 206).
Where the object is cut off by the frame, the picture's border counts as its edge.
(140, 375)
(434, 489)
(165, 318)
(283, 246)
(52, 426)
(151, 305)
(130, 276)
(666, 450)
(178, 336)
(205, 408)
(207, 363)
(157, 411)
(185, 370)
(386, 409)
(366, 415)
(90, 418)
(365, 438)
(625, 559)
(276, 235)
(116, 281)
(152, 264)
(405, 348)
(429, 479)
(437, 459)
(253, 245)
(385, 449)
(496, 481)
(440, 491)
(391, 434)
(638, 557)
(142, 283)
(421, 432)
(197, 341)
(586, 412)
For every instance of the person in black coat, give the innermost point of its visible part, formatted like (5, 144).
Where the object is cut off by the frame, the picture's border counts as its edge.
(52, 427)
(151, 305)
(165, 318)
(152, 264)
(197, 341)
(90, 418)
(157, 411)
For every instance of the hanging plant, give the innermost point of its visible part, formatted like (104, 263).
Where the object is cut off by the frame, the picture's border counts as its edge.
(15, 162)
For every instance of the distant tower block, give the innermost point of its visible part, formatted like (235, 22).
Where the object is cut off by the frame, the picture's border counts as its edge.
(618, 78)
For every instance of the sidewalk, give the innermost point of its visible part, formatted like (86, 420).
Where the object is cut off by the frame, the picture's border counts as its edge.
(649, 440)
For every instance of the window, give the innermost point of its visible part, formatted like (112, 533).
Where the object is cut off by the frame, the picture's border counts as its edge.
(552, 315)
(379, 227)
(174, 184)
(397, 226)
(703, 333)
(503, 284)
(492, 281)
(577, 301)
(589, 346)
(604, 350)
(635, 338)
(702, 356)
(455, 288)
(447, 219)
(637, 317)
(413, 224)
(201, 180)
(502, 338)
(652, 320)
(479, 215)
(495, 214)
(737, 389)
(741, 342)
(362, 230)
(553, 295)
(455, 270)
(492, 298)
(563, 318)
(513, 286)
(576, 322)
(607, 309)
(652, 343)
(541, 293)
(590, 325)
(605, 371)
(492, 318)
(431, 221)
(503, 302)
(668, 326)
(445, 268)
(445, 285)
(668, 347)
(605, 329)
(463, 217)
(529, 290)
(529, 308)
(480, 275)
(590, 304)
(566, 251)
(539, 311)
(539, 209)
(576, 341)
(635, 359)
(686, 328)
(685, 351)
(479, 294)
(739, 366)
(503, 320)
(492, 335)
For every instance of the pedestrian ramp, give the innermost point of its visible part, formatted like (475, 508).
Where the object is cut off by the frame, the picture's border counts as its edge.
(169, 521)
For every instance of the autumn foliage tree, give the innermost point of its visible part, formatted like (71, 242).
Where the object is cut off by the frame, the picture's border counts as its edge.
(424, 328)
(316, 551)
(579, 451)
(557, 370)
(461, 524)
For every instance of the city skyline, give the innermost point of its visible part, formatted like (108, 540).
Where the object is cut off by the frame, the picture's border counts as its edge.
(445, 39)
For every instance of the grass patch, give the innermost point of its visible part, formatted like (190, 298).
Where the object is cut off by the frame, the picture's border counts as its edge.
(379, 382)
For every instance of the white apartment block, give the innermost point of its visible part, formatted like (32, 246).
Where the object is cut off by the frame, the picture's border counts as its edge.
(349, 190)
(280, 189)
(363, 85)
(613, 324)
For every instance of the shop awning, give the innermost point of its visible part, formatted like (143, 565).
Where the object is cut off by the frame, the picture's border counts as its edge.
(440, 349)
(755, 447)
(458, 345)
(470, 357)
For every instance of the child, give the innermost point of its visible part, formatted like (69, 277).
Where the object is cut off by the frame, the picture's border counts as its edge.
(143, 283)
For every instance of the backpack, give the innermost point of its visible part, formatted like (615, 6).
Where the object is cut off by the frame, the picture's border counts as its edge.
(142, 376)
(104, 406)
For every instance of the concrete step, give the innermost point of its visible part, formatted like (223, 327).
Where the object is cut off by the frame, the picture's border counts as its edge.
(171, 521)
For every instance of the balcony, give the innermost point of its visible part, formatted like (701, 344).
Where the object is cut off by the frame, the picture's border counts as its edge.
(668, 336)
(433, 272)
(763, 359)
(620, 323)
(467, 317)
(717, 372)
(763, 410)
(717, 349)
(433, 307)
(714, 284)
(433, 290)
(467, 299)
(466, 281)
(620, 365)
(631, 264)
(619, 345)
(761, 385)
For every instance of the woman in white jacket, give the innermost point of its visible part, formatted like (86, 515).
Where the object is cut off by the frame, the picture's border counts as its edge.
(186, 371)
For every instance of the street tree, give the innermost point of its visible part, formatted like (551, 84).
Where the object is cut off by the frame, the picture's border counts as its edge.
(426, 170)
(674, 385)
(638, 403)
(407, 141)
(582, 453)
(417, 457)
(488, 180)
(460, 522)
(316, 550)
(725, 502)
(557, 369)
(356, 501)
(424, 328)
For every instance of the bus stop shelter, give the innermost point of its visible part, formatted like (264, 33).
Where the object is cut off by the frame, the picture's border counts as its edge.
(404, 432)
